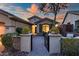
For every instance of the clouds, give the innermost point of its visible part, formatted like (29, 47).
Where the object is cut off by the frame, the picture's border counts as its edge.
(16, 10)
(33, 9)
(28, 12)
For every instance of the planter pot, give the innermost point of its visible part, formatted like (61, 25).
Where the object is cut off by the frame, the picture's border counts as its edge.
(54, 43)
(26, 42)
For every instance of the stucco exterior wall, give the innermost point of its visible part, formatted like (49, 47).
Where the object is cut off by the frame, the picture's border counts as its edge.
(71, 18)
(5, 19)
(18, 24)
(26, 42)
(10, 24)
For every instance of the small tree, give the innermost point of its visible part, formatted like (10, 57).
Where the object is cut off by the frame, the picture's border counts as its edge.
(52, 8)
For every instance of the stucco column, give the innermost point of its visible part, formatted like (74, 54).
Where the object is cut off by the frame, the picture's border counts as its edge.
(37, 28)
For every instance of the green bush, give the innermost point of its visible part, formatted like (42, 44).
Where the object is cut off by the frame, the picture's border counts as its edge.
(54, 30)
(70, 47)
(26, 30)
(18, 30)
(7, 41)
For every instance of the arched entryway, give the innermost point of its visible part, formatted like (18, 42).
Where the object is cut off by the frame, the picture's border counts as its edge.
(34, 29)
(40, 28)
(38, 47)
(45, 28)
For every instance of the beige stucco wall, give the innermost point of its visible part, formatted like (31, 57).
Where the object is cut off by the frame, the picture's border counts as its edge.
(5, 19)
(54, 43)
(10, 23)
(18, 24)
(71, 18)
(26, 42)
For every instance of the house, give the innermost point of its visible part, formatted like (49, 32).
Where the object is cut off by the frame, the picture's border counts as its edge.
(72, 19)
(9, 22)
(40, 25)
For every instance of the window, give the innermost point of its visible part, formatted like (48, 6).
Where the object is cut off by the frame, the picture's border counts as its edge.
(77, 26)
(45, 28)
(69, 27)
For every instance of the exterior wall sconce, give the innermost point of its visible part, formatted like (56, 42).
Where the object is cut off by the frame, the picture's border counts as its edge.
(56, 25)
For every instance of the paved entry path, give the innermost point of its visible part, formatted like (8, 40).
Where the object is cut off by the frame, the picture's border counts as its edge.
(38, 47)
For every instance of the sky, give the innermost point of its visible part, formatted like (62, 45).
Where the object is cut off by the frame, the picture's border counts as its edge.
(26, 10)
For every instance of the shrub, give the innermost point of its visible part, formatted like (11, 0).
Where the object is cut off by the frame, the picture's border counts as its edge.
(54, 30)
(70, 47)
(7, 41)
(26, 30)
(19, 30)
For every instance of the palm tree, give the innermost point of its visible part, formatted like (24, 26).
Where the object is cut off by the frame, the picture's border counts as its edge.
(52, 8)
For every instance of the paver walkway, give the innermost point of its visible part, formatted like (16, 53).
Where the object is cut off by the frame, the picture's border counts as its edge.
(38, 47)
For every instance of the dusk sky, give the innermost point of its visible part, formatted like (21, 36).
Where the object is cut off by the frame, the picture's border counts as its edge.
(26, 10)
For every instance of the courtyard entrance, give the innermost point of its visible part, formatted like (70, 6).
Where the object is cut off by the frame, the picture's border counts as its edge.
(39, 28)
(38, 47)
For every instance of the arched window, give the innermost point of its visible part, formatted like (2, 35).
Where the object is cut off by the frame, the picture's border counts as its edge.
(45, 28)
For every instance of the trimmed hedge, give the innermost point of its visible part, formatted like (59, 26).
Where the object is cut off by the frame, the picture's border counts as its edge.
(70, 47)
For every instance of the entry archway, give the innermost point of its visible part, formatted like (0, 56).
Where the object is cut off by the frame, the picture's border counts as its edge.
(45, 28)
(34, 29)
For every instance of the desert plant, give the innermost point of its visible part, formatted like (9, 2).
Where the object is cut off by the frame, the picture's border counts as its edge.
(54, 30)
(18, 30)
(70, 47)
(26, 30)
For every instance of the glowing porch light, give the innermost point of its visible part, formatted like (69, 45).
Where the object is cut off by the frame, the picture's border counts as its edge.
(56, 25)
